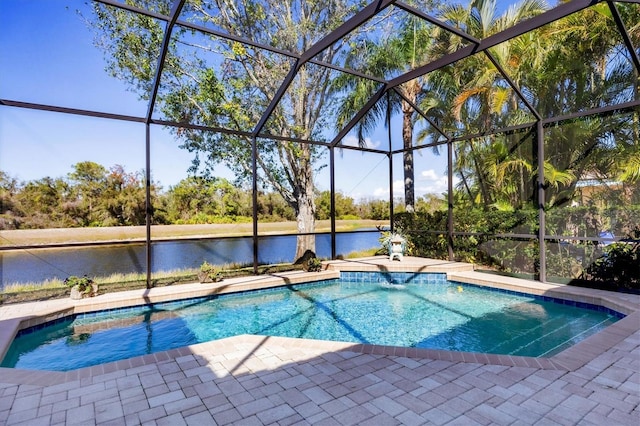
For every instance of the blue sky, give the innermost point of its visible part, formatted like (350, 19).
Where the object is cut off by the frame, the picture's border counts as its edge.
(47, 56)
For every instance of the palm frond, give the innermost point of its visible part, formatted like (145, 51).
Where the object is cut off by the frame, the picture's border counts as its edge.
(630, 169)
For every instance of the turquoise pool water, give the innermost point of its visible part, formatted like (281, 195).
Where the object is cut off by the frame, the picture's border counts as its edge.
(429, 312)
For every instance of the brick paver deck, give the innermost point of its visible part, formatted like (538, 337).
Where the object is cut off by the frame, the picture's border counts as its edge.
(255, 380)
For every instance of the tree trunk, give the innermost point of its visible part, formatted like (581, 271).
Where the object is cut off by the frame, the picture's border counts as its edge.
(305, 204)
(306, 223)
(481, 178)
(407, 159)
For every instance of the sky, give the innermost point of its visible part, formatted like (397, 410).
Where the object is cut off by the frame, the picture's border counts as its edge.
(47, 56)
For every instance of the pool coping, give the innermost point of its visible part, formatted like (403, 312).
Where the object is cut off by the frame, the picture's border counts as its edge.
(13, 318)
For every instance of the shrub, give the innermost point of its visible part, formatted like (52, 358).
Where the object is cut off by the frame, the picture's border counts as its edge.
(314, 264)
(84, 283)
(209, 273)
(619, 266)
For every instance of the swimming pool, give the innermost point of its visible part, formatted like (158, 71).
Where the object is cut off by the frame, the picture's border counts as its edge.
(413, 310)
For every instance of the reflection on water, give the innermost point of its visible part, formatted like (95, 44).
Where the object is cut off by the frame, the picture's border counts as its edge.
(39, 265)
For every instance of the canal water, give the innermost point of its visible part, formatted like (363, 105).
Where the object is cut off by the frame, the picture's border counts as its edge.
(37, 265)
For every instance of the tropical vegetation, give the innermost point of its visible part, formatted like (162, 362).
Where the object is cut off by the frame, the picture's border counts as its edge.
(590, 165)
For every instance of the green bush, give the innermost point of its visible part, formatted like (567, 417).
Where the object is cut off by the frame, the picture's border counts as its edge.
(615, 267)
(209, 273)
(619, 266)
(314, 265)
(426, 234)
(84, 283)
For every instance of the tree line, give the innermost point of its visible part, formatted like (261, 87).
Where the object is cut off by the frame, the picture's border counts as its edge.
(94, 195)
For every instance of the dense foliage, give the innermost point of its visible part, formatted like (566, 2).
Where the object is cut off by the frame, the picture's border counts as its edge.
(507, 241)
(619, 265)
(92, 195)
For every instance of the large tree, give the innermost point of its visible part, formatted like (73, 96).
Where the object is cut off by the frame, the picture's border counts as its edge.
(101, 197)
(218, 82)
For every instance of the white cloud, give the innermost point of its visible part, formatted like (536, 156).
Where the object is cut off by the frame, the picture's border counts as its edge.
(351, 140)
(427, 182)
(430, 182)
(429, 175)
(383, 192)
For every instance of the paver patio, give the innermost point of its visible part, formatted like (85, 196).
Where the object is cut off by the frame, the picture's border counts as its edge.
(250, 380)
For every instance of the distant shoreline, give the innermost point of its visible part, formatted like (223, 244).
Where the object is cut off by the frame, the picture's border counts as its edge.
(116, 234)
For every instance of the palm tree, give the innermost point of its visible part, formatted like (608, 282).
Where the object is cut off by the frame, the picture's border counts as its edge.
(409, 49)
(475, 95)
(586, 67)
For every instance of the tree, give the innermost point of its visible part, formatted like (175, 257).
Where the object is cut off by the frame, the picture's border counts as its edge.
(88, 181)
(405, 49)
(124, 200)
(206, 200)
(587, 66)
(41, 202)
(374, 209)
(344, 206)
(272, 207)
(191, 197)
(473, 96)
(218, 82)
(9, 188)
(430, 203)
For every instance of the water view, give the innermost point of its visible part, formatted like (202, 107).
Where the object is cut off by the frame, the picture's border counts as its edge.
(36, 265)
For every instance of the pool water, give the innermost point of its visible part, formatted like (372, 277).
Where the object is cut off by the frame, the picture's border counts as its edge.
(437, 315)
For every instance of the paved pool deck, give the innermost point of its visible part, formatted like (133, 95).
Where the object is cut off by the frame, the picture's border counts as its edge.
(258, 380)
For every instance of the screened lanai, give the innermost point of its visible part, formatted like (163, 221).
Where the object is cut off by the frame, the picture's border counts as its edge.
(501, 133)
